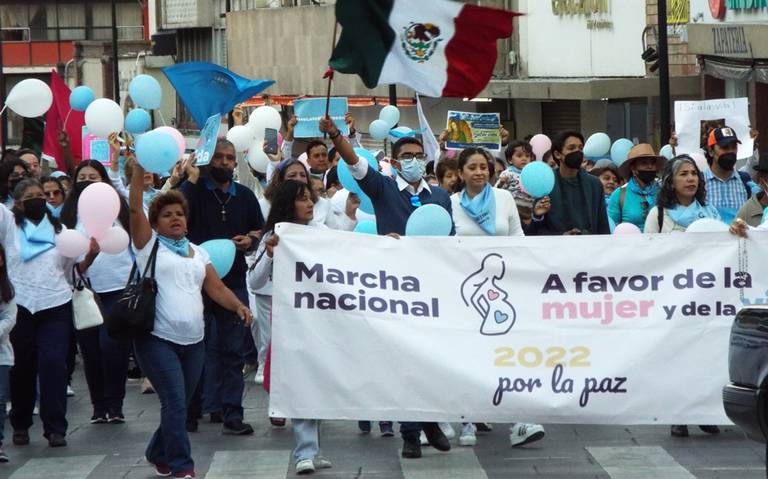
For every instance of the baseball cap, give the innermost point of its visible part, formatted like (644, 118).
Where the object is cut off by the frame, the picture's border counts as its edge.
(722, 137)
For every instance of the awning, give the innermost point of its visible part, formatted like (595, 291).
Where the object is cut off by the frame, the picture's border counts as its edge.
(730, 69)
(353, 101)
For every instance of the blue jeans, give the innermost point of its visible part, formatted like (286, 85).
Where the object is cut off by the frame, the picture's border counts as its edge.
(5, 396)
(40, 343)
(174, 371)
(223, 384)
(306, 435)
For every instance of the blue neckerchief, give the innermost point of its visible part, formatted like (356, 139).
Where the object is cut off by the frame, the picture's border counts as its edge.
(180, 247)
(647, 192)
(55, 210)
(514, 169)
(148, 196)
(765, 215)
(727, 215)
(685, 215)
(482, 209)
(36, 239)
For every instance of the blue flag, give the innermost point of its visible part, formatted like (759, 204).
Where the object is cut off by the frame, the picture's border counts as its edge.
(207, 89)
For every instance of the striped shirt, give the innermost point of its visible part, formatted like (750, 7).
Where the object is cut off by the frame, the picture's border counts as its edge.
(725, 195)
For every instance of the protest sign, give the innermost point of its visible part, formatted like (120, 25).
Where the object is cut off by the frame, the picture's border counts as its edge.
(467, 130)
(694, 118)
(309, 111)
(95, 148)
(582, 330)
(206, 144)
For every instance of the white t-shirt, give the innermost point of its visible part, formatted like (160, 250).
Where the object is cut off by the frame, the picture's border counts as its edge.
(179, 302)
(108, 272)
(507, 217)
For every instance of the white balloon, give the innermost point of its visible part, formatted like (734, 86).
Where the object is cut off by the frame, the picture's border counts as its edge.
(30, 98)
(241, 136)
(72, 243)
(264, 117)
(104, 117)
(256, 156)
(707, 225)
(114, 241)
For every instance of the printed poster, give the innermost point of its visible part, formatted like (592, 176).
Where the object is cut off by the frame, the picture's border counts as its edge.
(479, 130)
(309, 111)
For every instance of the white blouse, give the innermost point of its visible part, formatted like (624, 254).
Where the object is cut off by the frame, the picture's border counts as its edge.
(507, 217)
(109, 272)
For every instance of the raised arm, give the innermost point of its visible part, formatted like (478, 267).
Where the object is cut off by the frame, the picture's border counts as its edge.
(141, 230)
(341, 144)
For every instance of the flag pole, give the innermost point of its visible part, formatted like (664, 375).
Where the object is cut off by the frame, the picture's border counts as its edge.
(329, 75)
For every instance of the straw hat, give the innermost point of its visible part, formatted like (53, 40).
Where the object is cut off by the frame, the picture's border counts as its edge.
(642, 150)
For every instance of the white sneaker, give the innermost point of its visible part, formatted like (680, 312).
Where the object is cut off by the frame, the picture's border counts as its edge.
(70, 391)
(305, 466)
(322, 462)
(36, 410)
(468, 437)
(258, 378)
(423, 439)
(447, 430)
(522, 434)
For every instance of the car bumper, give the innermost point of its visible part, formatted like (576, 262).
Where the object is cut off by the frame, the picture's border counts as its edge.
(746, 407)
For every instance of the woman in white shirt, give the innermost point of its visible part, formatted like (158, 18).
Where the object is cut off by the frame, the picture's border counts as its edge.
(44, 320)
(172, 355)
(105, 359)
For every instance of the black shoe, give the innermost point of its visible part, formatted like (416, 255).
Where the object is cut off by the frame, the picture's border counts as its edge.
(483, 427)
(411, 449)
(191, 425)
(115, 416)
(236, 428)
(436, 437)
(679, 431)
(710, 429)
(216, 418)
(21, 437)
(56, 440)
(386, 429)
(364, 426)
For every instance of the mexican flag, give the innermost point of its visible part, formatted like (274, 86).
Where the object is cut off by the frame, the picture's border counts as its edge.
(436, 47)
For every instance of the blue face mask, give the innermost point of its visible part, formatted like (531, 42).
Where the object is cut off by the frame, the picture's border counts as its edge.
(412, 170)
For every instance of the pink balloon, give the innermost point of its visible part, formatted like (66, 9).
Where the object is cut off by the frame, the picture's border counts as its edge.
(72, 243)
(98, 207)
(114, 241)
(626, 229)
(279, 140)
(540, 144)
(176, 134)
(450, 154)
(701, 161)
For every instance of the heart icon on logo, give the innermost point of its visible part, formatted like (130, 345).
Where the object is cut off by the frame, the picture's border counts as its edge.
(500, 317)
(492, 295)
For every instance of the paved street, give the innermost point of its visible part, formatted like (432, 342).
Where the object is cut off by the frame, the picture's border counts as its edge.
(116, 451)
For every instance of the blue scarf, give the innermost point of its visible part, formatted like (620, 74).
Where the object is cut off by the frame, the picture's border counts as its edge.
(55, 210)
(514, 169)
(685, 215)
(180, 247)
(148, 196)
(647, 193)
(482, 209)
(36, 239)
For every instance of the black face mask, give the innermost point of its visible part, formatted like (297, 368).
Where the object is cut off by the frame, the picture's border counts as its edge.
(574, 159)
(220, 175)
(35, 208)
(646, 177)
(82, 185)
(727, 161)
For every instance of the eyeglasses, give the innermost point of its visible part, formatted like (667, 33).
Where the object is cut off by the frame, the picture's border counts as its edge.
(412, 156)
(54, 193)
(415, 201)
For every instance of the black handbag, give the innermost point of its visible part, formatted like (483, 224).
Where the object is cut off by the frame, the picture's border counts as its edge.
(133, 316)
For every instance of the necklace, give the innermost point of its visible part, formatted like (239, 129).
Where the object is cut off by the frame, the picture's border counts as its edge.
(223, 205)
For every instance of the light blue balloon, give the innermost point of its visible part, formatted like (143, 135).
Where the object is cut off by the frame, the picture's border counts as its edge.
(366, 227)
(137, 121)
(366, 205)
(378, 129)
(429, 220)
(81, 97)
(350, 183)
(347, 181)
(620, 150)
(666, 152)
(390, 115)
(537, 179)
(157, 151)
(146, 92)
(597, 145)
(222, 253)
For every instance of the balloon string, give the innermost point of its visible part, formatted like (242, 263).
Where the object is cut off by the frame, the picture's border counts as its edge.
(161, 117)
(3, 110)
(66, 119)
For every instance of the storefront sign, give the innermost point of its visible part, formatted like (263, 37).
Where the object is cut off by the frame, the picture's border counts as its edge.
(729, 40)
(587, 8)
(746, 4)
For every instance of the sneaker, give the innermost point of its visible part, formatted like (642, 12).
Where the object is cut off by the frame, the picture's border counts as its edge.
(236, 428)
(184, 475)
(436, 437)
(411, 449)
(386, 429)
(423, 439)
(70, 391)
(162, 470)
(99, 417)
(710, 429)
(483, 427)
(146, 387)
(216, 418)
(3, 455)
(678, 431)
(305, 466)
(522, 434)
(364, 426)
(322, 462)
(56, 440)
(20, 437)
(468, 437)
(115, 416)
(447, 429)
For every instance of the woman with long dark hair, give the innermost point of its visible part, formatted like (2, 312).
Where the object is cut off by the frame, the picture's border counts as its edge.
(12, 171)
(44, 320)
(7, 322)
(105, 359)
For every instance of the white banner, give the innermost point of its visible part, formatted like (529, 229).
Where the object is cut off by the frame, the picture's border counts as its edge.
(694, 118)
(592, 329)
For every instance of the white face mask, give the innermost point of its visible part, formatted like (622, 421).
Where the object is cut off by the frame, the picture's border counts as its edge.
(412, 170)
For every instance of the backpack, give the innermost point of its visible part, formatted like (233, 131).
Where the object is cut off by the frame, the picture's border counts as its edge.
(746, 179)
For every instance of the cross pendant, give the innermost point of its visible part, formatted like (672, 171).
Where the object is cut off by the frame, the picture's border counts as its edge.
(223, 215)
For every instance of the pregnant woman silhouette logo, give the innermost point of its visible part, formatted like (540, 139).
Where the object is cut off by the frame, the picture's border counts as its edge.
(482, 290)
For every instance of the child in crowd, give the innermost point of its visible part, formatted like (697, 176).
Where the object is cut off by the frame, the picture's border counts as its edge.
(519, 154)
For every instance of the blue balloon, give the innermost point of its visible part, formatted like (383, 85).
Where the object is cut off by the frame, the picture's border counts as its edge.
(597, 146)
(620, 150)
(346, 179)
(537, 179)
(390, 115)
(366, 227)
(137, 121)
(378, 129)
(157, 151)
(429, 220)
(667, 152)
(222, 253)
(366, 205)
(81, 97)
(146, 92)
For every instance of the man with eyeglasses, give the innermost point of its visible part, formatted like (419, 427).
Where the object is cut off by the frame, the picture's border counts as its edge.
(220, 208)
(393, 202)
